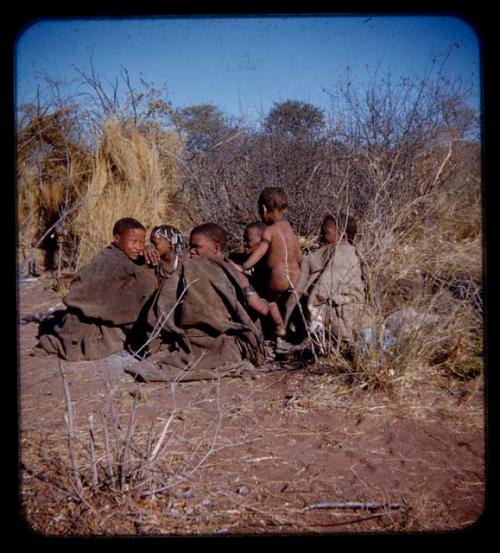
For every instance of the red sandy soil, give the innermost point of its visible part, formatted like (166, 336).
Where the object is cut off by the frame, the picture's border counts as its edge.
(251, 455)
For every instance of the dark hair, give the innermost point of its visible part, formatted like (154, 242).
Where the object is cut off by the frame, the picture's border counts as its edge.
(126, 223)
(256, 224)
(343, 223)
(273, 198)
(213, 231)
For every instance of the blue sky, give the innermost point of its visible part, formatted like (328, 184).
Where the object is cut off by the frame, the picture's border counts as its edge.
(241, 64)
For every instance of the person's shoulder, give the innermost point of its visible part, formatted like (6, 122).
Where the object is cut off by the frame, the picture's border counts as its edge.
(287, 226)
(280, 226)
(347, 249)
(320, 257)
(227, 262)
(104, 256)
(113, 256)
(113, 252)
(346, 246)
(203, 262)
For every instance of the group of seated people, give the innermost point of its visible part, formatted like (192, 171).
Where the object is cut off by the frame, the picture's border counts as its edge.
(201, 309)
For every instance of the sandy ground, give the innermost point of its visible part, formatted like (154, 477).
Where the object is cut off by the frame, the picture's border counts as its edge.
(248, 456)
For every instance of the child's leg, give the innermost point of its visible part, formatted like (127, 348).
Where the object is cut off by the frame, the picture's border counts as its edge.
(256, 302)
(274, 311)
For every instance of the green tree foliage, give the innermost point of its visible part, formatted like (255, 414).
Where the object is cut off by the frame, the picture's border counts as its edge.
(294, 119)
(203, 125)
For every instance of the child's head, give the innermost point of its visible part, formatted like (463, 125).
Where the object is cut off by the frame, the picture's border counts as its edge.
(207, 239)
(129, 235)
(332, 228)
(167, 239)
(328, 232)
(252, 236)
(272, 204)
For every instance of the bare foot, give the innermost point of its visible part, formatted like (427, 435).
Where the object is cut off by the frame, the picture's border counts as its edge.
(280, 331)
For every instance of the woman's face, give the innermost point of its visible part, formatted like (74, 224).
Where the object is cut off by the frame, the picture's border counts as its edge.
(329, 233)
(200, 245)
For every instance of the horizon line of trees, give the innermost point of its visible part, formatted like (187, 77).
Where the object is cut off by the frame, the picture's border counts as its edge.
(387, 139)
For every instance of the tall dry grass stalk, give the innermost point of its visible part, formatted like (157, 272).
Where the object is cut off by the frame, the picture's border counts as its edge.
(134, 176)
(28, 210)
(130, 461)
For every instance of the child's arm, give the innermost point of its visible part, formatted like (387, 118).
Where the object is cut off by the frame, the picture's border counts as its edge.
(151, 255)
(260, 251)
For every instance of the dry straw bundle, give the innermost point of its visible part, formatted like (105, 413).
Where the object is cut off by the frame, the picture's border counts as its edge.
(134, 176)
(53, 166)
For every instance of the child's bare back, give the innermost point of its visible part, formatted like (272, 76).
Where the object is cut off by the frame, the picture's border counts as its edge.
(282, 258)
(278, 249)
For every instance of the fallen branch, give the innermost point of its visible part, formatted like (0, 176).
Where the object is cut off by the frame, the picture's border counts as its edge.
(354, 505)
(95, 478)
(349, 521)
(29, 469)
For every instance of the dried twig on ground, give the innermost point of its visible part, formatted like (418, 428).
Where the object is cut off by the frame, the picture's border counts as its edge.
(369, 506)
(95, 478)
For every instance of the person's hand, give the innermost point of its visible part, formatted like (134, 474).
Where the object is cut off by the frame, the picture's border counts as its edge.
(236, 266)
(151, 255)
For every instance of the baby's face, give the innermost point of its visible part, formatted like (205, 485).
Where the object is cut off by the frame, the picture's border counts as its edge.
(162, 245)
(200, 245)
(251, 239)
(131, 242)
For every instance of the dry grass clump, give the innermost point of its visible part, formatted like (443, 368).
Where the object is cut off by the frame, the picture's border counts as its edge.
(68, 199)
(132, 178)
(52, 167)
(120, 461)
(425, 287)
(422, 254)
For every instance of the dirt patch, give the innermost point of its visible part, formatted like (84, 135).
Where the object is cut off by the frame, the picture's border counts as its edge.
(247, 455)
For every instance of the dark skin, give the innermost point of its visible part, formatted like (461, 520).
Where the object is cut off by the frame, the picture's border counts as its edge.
(165, 251)
(131, 242)
(280, 250)
(328, 234)
(151, 255)
(252, 237)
